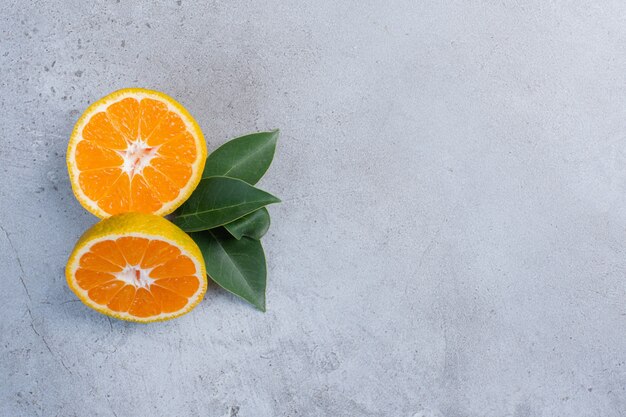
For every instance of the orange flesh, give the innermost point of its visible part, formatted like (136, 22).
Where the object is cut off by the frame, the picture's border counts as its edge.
(135, 156)
(143, 277)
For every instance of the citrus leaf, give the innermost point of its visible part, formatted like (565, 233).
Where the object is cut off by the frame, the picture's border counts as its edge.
(247, 157)
(253, 225)
(220, 200)
(237, 266)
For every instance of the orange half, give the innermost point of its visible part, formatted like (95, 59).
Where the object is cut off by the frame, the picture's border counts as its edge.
(135, 150)
(137, 267)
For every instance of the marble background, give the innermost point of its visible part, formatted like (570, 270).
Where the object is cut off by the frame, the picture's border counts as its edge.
(451, 241)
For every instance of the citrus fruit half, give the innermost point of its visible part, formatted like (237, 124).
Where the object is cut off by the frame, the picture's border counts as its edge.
(137, 267)
(135, 150)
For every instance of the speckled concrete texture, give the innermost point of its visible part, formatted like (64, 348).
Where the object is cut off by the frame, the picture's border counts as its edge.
(452, 237)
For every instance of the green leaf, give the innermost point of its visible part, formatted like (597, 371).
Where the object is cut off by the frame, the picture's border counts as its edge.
(237, 266)
(247, 157)
(253, 225)
(220, 200)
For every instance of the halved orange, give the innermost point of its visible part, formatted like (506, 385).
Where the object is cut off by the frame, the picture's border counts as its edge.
(135, 150)
(137, 267)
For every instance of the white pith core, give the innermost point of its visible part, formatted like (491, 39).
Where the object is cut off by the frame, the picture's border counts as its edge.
(137, 156)
(136, 276)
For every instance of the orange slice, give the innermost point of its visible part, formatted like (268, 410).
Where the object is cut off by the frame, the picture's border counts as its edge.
(137, 267)
(135, 150)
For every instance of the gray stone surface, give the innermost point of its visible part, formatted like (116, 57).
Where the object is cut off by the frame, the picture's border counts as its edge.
(452, 238)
